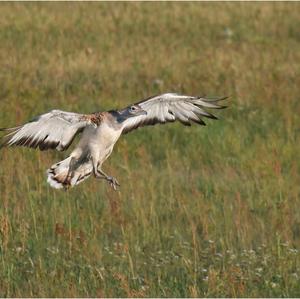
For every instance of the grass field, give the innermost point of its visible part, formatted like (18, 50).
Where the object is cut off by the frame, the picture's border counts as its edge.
(202, 211)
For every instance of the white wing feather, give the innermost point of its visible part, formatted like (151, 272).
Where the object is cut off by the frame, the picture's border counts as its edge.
(53, 130)
(169, 107)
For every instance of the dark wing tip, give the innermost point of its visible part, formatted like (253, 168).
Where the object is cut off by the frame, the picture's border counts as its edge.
(213, 99)
(199, 122)
(223, 98)
(209, 115)
(216, 100)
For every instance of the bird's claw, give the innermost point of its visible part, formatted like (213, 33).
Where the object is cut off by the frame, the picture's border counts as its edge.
(113, 183)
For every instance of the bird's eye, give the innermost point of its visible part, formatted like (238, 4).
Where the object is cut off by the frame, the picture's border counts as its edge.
(133, 108)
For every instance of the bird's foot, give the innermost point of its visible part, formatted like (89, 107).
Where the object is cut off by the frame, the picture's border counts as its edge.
(113, 182)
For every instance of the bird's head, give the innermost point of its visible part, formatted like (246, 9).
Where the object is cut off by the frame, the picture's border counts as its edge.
(130, 111)
(136, 110)
(133, 110)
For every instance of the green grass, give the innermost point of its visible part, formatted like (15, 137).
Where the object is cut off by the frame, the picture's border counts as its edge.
(203, 211)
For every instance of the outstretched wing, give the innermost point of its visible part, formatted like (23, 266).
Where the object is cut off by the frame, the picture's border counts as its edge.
(53, 130)
(170, 107)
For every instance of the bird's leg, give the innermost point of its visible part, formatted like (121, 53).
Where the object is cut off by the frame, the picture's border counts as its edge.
(111, 180)
(100, 174)
(71, 168)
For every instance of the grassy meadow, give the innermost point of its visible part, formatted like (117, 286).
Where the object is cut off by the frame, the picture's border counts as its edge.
(202, 211)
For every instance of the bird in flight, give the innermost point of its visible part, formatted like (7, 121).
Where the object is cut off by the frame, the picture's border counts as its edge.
(100, 131)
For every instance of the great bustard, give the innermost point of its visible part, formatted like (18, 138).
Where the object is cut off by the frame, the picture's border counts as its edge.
(100, 131)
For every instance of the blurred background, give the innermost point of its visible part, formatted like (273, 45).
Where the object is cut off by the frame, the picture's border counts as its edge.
(202, 211)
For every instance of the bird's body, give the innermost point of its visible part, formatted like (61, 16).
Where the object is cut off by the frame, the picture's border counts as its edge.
(95, 146)
(100, 131)
(99, 141)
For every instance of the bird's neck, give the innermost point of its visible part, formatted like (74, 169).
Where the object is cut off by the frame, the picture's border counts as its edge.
(118, 116)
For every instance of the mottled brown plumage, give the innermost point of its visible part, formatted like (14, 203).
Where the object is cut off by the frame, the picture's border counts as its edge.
(95, 118)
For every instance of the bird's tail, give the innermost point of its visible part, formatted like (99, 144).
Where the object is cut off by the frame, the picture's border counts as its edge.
(68, 173)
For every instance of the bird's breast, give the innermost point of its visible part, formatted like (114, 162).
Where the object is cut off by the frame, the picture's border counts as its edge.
(107, 136)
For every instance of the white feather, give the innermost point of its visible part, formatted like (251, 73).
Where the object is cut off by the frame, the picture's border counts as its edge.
(169, 107)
